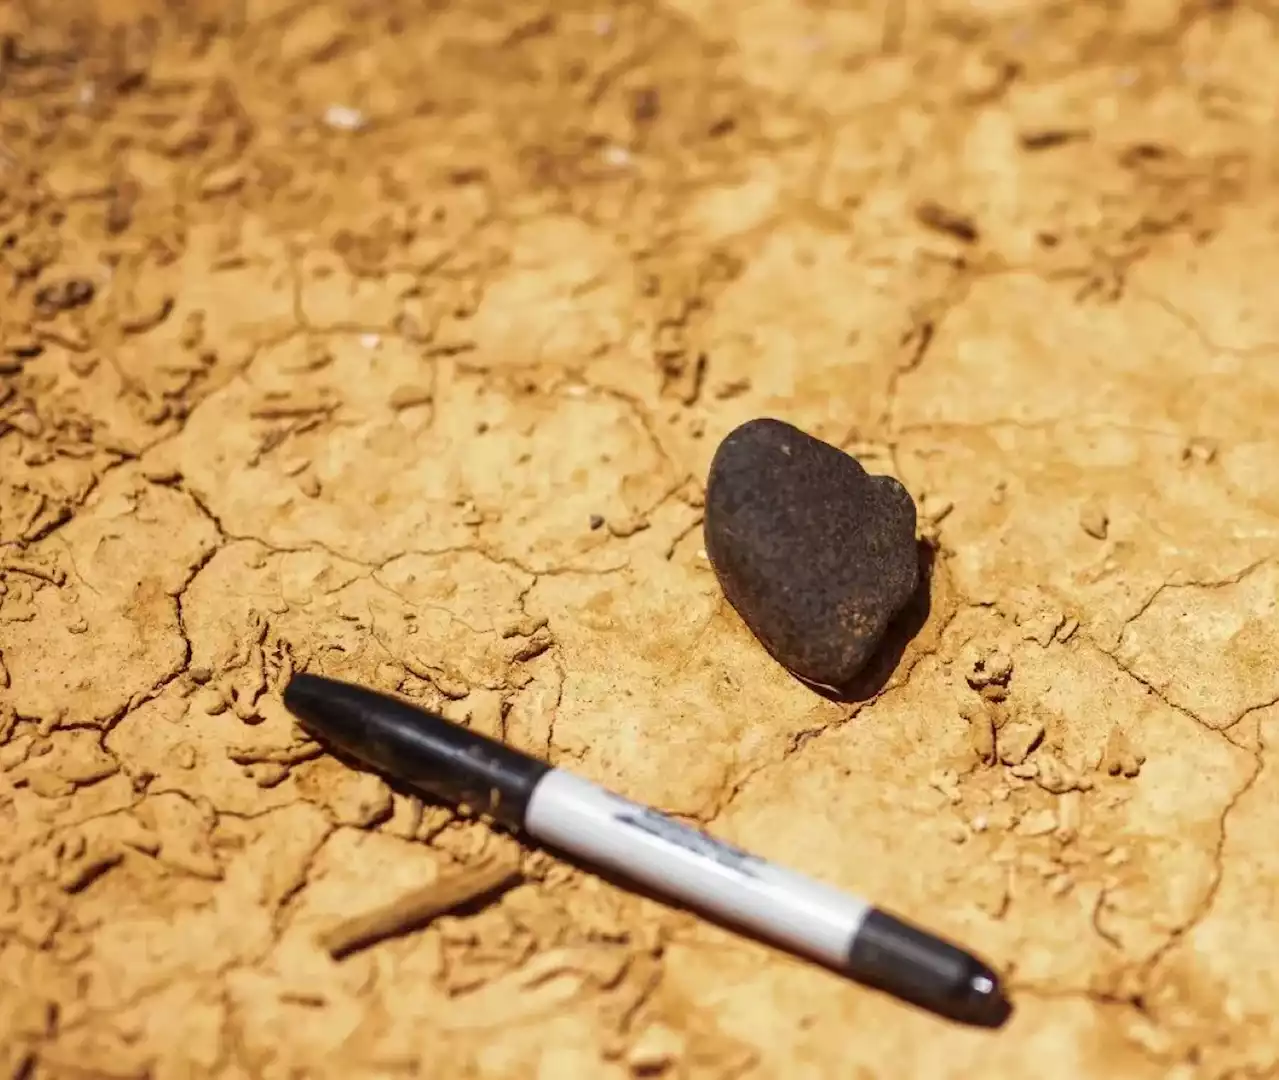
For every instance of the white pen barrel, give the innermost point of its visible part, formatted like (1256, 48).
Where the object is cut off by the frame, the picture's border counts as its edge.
(694, 868)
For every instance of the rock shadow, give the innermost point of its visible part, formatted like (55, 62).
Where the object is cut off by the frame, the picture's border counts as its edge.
(910, 621)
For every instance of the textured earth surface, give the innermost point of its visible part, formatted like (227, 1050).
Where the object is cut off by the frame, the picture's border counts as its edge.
(394, 341)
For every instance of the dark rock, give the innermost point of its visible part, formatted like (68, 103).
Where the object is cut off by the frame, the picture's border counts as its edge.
(815, 554)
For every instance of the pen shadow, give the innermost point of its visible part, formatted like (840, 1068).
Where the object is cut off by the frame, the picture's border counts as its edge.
(900, 633)
(478, 903)
(897, 995)
(474, 905)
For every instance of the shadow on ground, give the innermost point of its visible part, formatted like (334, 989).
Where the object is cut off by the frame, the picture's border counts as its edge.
(910, 621)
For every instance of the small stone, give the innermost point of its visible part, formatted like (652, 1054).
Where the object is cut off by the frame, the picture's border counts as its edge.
(816, 555)
(1119, 757)
(408, 397)
(998, 666)
(1093, 520)
(267, 774)
(1055, 777)
(987, 669)
(656, 1048)
(88, 867)
(1018, 739)
(626, 525)
(212, 701)
(1200, 451)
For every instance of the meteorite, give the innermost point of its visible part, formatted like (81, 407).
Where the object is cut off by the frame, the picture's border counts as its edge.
(817, 556)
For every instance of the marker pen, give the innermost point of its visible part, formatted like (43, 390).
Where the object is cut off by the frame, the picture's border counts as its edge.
(456, 765)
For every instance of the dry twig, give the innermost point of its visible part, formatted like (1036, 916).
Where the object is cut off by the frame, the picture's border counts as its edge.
(417, 908)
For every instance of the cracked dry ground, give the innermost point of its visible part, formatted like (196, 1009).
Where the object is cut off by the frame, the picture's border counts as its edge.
(329, 335)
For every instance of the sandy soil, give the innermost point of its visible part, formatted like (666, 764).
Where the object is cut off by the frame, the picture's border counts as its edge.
(329, 333)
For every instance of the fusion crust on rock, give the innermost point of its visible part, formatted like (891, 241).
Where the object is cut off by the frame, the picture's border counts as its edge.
(816, 555)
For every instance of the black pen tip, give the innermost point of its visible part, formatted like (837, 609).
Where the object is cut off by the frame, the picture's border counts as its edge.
(310, 697)
(361, 724)
(417, 747)
(894, 955)
(303, 689)
(333, 711)
(982, 1001)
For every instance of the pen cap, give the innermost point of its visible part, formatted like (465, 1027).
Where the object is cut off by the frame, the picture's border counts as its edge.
(420, 748)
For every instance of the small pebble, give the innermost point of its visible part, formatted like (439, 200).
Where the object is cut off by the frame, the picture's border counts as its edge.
(1018, 739)
(817, 556)
(211, 701)
(344, 118)
(1200, 451)
(1093, 520)
(1060, 885)
(656, 1048)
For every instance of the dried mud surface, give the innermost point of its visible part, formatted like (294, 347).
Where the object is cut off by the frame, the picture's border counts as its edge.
(395, 343)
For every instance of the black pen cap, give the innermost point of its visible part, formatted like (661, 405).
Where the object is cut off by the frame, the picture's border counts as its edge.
(420, 748)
